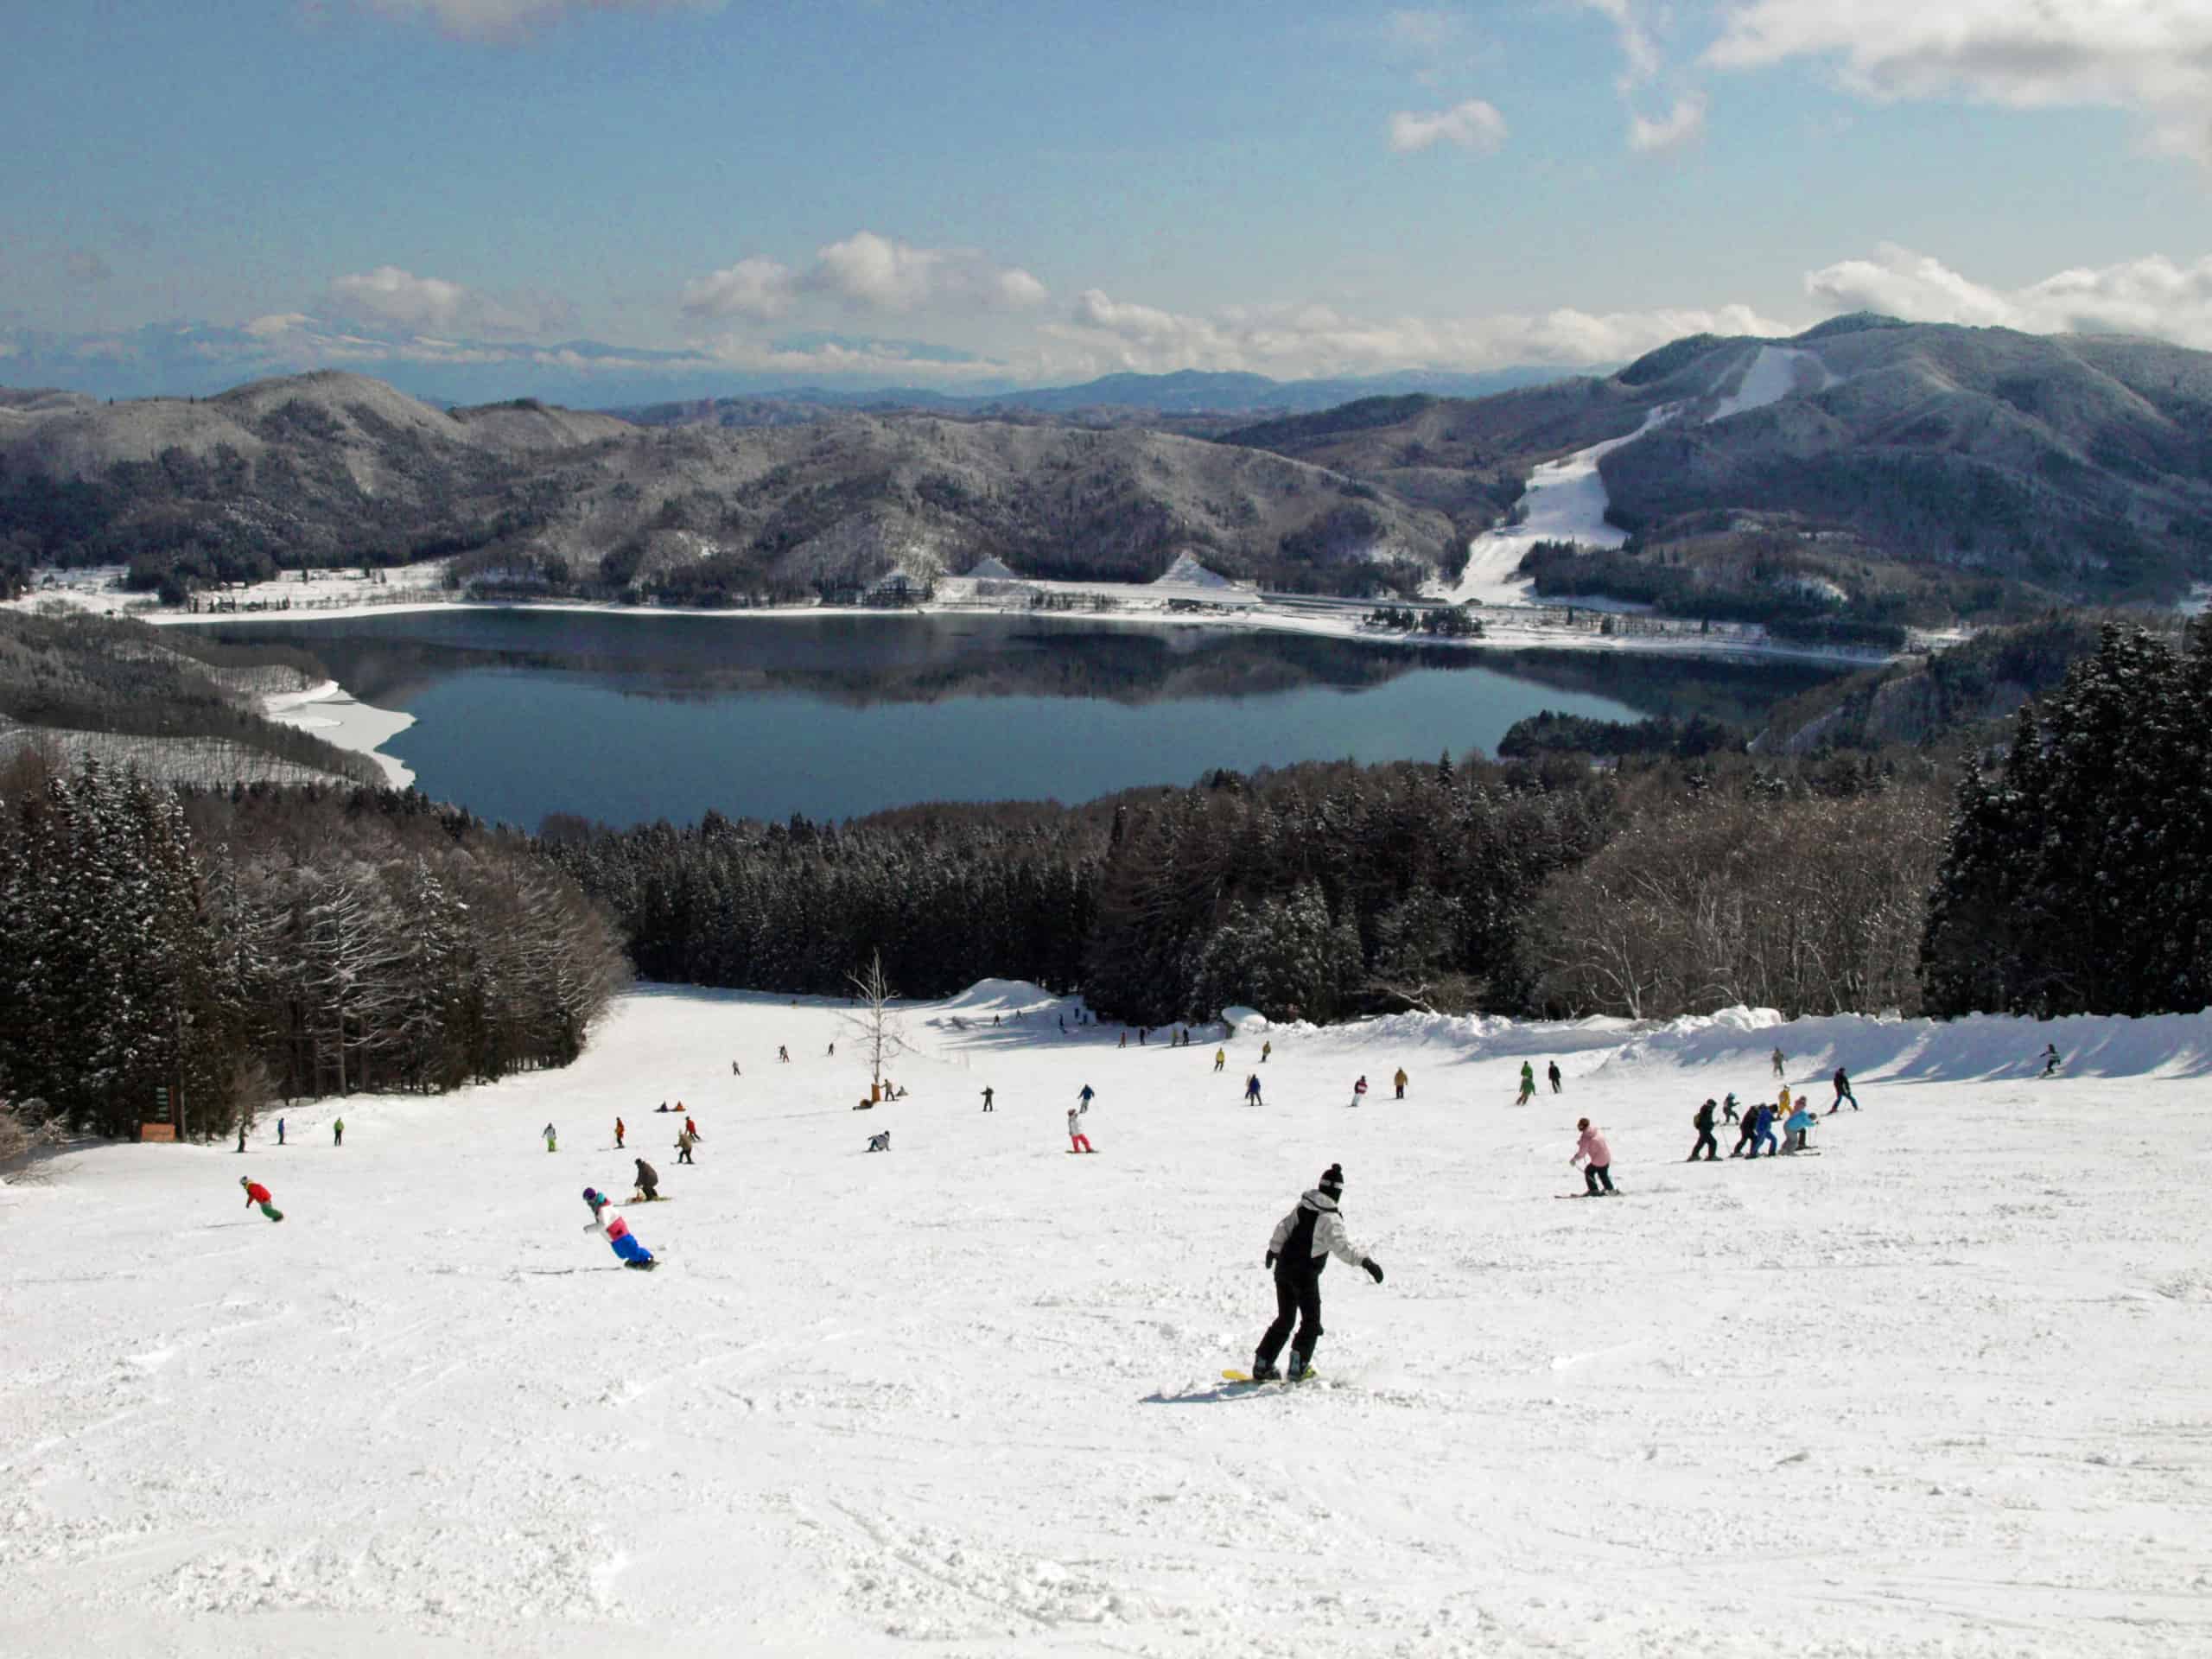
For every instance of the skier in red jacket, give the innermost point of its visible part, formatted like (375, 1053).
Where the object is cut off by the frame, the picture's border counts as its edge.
(257, 1193)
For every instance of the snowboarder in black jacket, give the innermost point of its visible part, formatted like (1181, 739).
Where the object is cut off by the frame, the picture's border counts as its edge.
(1300, 1247)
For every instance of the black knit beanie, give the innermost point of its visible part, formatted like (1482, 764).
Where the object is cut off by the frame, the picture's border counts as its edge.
(1333, 1180)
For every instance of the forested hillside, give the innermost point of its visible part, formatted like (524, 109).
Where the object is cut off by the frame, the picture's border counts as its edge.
(235, 947)
(330, 469)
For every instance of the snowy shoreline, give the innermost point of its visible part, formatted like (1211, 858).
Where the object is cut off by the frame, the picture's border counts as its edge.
(329, 712)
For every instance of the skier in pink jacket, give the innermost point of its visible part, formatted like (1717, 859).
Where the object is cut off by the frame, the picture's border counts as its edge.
(1598, 1168)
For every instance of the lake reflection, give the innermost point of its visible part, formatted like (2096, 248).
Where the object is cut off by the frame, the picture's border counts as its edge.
(627, 719)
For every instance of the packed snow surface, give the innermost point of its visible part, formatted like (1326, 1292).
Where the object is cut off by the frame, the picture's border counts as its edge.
(1566, 501)
(1939, 1390)
(1773, 374)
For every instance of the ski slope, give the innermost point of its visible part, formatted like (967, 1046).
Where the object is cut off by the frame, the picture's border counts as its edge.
(1938, 1390)
(1566, 501)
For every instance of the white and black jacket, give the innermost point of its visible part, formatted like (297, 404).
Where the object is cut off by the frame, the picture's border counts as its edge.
(1304, 1239)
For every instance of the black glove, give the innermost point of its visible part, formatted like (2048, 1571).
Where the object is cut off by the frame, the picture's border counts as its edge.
(1271, 1258)
(1373, 1269)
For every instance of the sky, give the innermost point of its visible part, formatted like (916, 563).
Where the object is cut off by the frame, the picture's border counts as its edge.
(967, 195)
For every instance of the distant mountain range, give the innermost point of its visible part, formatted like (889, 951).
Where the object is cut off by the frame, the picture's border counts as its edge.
(1113, 398)
(1870, 471)
(659, 387)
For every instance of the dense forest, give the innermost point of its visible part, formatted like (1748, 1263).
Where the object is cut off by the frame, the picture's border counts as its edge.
(229, 948)
(2079, 875)
(1316, 892)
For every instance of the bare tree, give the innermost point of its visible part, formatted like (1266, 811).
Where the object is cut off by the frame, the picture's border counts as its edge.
(875, 1024)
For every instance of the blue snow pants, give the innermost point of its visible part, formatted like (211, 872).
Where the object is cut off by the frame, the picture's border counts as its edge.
(629, 1249)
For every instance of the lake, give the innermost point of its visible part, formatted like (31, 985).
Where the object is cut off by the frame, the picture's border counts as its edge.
(627, 719)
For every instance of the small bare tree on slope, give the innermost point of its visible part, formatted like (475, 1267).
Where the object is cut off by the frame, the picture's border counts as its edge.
(875, 1024)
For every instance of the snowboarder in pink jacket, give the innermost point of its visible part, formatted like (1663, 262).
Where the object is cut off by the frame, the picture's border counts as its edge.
(1598, 1166)
(607, 1221)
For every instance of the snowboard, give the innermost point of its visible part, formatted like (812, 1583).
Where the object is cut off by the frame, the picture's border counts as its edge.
(641, 1267)
(1614, 1194)
(1247, 1378)
(639, 1198)
(1077, 1152)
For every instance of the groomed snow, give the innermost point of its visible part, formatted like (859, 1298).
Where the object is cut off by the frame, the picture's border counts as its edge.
(1566, 501)
(1938, 1390)
(1774, 373)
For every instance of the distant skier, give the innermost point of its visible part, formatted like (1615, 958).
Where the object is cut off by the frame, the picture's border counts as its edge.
(1728, 1107)
(1124, 1043)
(1553, 1070)
(1359, 1090)
(1085, 1096)
(986, 1097)
(1528, 1083)
(735, 1070)
(1599, 1168)
(337, 1131)
(689, 1128)
(833, 1051)
(1781, 1107)
(1747, 1131)
(686, 1138)
(1298, 1250)
(1777, 1057)
(648, 1182)
(607, 1221)
(241, 1134)
(782, 1054)
(1799, 1125)
(1077, 1141)
(1842, 1092)
(551, 1139)
(257, 1193)
(618, 1135)
(1399, 1083)
(280, 1131)
(1220, 1058)
(1705, 1143)
(880, 1143)
(1252, 1090)
(1763, 1135)
(1267, 1047)
(2049, 1057)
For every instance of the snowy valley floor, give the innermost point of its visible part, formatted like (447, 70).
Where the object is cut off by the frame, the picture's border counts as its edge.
(1941, 1389)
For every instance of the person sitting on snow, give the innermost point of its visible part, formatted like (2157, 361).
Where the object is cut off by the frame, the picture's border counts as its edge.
(879, 1142)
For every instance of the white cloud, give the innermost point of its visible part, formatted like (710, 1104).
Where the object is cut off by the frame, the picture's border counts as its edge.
(1473, 125)
(867, 273)
(2152, 296)
(508, 20)
(1101, 333)
(2151, 56)
(389, 296)
(750, 288)
(1681, 125)
(875, 273)
(1639, 52)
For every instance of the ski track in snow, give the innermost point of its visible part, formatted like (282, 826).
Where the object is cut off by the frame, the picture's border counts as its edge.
(1940, 1390)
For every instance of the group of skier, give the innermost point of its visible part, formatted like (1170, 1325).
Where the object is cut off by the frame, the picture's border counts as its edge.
(1756, 1123)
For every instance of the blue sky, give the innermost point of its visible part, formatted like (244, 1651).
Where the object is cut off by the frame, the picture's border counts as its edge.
(966, 195)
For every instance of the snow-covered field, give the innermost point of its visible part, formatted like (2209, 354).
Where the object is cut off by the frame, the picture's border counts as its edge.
(1938, 1390)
